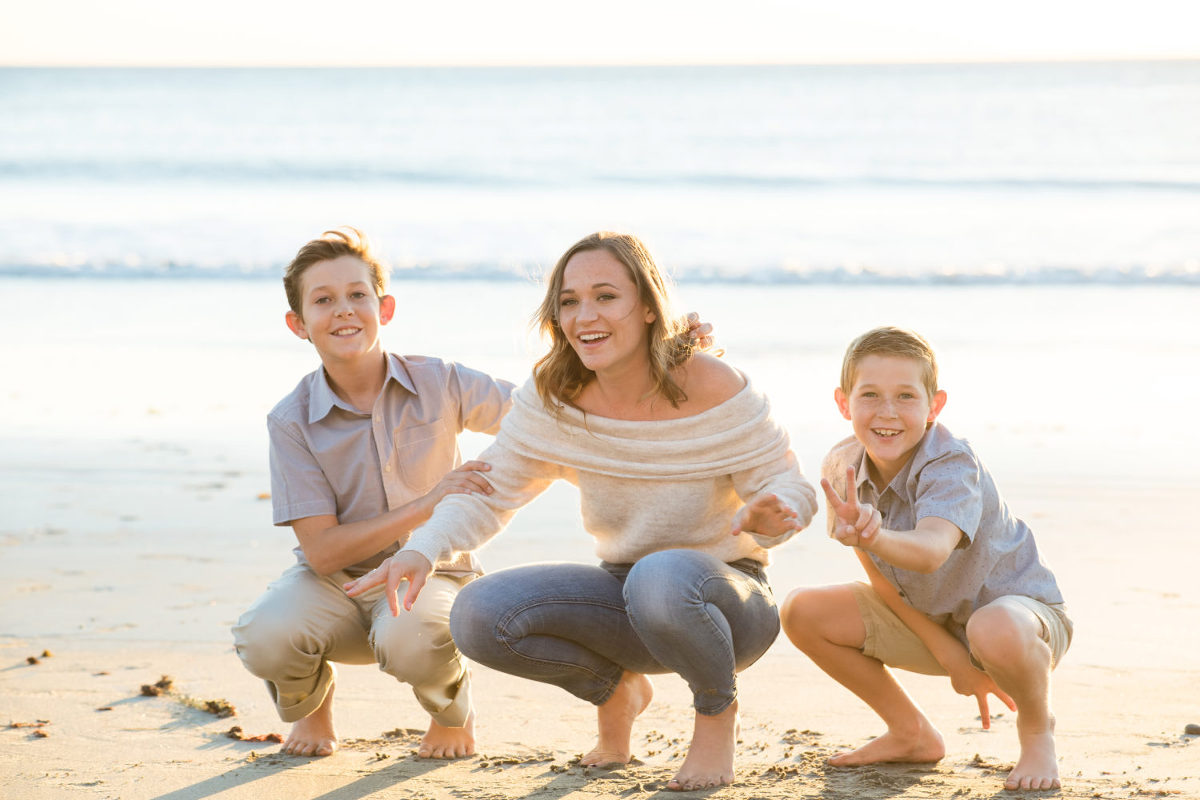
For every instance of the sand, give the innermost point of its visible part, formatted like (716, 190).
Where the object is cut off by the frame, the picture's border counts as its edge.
(121, 603)
(132, 536)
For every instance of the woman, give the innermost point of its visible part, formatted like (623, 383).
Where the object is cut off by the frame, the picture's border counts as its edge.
(685, 481)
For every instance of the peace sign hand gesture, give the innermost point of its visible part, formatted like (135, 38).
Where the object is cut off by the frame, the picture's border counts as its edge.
(856, 523)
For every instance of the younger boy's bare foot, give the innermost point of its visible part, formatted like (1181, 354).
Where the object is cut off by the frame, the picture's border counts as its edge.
(1037, 768)
(925, 745)
(441, 741)
(615, 721)
(313, 735)
(709, 761)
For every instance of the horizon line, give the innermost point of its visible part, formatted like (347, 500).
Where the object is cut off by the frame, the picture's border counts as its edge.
(602, 64)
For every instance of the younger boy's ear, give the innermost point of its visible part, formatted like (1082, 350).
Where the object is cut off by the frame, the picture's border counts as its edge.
(936, 405)
(296, 324)
(387, 309)
(843, 402)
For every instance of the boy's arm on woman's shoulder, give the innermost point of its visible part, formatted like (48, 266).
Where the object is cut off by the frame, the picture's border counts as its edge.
(483, 400)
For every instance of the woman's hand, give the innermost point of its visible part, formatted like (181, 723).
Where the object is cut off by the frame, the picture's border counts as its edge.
(406, 565)
(765, 515)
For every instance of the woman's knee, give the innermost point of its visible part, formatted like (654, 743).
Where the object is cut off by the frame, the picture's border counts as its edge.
(662, 583)
(475, 617)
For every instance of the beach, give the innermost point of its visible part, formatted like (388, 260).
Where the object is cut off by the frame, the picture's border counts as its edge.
(133, 477)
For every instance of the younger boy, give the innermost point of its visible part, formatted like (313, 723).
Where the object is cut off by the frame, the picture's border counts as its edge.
(361, 451)
(957, 587)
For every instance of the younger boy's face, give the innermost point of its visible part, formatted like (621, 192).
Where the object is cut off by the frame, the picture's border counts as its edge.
(889, 408)
(340, 312)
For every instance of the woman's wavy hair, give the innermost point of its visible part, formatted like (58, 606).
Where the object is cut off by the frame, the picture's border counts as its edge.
(560, 376)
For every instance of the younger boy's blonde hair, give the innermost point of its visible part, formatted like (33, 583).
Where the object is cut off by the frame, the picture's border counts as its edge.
(344, 241)
(890, 341)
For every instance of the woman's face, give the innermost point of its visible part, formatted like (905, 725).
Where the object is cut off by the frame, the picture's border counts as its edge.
(601, 314)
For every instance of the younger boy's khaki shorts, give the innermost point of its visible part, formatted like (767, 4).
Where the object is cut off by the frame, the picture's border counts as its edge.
(892, 642)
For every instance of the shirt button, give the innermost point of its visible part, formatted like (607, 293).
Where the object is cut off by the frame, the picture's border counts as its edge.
(387, 468)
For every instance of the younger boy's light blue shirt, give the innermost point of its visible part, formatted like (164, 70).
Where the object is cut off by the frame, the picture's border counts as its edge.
(944, 478)
(329, 458)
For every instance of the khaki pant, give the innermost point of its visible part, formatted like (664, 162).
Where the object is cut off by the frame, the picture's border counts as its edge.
(891, 641)
(305, 620)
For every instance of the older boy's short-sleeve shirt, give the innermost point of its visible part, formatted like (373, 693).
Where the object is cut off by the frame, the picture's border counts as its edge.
(996, 556)
(328, 457)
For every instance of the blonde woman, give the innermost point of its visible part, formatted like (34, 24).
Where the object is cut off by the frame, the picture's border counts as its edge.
(685, 480)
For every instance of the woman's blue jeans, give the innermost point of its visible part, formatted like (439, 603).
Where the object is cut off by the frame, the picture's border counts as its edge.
(579, 626)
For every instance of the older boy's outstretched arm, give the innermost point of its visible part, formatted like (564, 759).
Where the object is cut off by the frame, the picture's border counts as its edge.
(923, 549)
(330, 547)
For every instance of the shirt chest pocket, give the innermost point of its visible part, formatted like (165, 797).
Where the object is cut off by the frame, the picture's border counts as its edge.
(424, 453)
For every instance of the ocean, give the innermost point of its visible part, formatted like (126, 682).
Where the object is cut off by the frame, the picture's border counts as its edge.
(1040, 223)
(1070, 173)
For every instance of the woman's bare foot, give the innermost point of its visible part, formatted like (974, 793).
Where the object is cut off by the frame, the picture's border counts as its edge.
(1037, 768)
(923, 745)
(313, 735)
(709, 760)
(441, 741)
(615, 721)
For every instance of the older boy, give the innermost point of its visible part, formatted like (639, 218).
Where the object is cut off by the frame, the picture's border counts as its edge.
(361, 451)
(957, 587)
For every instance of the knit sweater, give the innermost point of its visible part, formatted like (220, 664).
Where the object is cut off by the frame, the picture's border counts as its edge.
(644, 486)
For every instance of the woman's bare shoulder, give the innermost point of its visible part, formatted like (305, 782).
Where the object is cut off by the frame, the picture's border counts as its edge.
(709, 381)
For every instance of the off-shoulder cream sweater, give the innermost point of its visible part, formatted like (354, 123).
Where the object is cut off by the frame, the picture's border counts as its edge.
(644, 486)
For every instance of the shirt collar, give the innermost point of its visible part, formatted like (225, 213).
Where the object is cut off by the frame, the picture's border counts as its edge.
(322, 399)
(926, 451)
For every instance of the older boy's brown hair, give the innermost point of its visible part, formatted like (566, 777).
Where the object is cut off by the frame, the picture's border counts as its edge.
(890, 341)
(344, 241)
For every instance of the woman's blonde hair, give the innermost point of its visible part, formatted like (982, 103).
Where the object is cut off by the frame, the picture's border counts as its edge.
(560, 376)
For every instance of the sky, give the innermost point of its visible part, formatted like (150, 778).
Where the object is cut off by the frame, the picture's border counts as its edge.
(486, 32)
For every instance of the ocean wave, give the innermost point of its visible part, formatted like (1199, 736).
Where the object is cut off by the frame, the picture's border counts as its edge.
(1187, 274)
(275, 171)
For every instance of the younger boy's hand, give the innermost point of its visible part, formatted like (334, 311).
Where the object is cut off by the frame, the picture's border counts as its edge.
(766, 515)
(967, 681)
(406, 565)
(856, 523)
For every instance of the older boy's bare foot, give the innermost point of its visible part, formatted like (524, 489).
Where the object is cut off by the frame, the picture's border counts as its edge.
(313, 735)
(1037, 768)
(922, 746)
(615, 721)
(709, 760)
(443, 742)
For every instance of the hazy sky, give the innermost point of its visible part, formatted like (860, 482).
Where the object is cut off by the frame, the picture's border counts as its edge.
(352, 32)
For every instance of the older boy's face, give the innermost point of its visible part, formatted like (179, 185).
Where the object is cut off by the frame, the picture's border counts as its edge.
(341, 315)
(889, 407)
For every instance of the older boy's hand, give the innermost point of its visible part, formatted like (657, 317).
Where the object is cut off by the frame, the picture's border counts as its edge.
(856, 523)
(766, 515)
(406, 565)
(461, 480)
(701, 332)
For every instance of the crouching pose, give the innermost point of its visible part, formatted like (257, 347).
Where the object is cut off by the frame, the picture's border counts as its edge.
(685, 482)
(957, 586)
